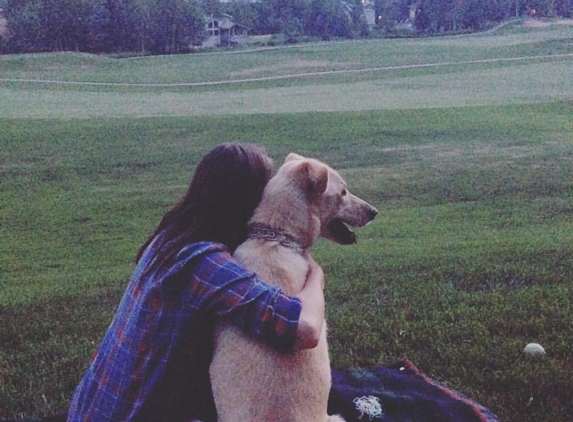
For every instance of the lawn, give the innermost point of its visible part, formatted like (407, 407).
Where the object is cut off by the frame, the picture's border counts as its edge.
(469, 164)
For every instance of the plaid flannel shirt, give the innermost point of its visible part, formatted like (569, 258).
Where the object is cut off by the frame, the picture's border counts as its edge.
(153, 363)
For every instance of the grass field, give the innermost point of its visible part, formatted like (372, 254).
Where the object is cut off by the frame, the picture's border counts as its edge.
(467, 155)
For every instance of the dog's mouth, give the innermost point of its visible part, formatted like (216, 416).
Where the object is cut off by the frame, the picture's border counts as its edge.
(340, 233)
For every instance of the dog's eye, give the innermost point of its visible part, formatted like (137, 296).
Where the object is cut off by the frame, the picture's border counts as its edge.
(344, 192)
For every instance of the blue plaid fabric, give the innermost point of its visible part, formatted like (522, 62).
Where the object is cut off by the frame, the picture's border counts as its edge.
(153, 362)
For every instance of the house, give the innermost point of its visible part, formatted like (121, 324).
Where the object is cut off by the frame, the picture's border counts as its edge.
(369, 9)
(222, 30)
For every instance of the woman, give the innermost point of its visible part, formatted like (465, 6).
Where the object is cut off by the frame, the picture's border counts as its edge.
(153, 362)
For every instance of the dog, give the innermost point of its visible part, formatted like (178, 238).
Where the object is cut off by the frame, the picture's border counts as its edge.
(251, 382)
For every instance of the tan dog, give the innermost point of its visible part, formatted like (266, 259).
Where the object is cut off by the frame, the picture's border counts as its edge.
(251, 382)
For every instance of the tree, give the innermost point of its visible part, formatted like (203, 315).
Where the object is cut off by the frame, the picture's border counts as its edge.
(325, 18)
(287, 17)
(23, 20)
(159, 26)
(211, 7)
(564, 8)
(358, 25)
(476, 14)
(169, 26)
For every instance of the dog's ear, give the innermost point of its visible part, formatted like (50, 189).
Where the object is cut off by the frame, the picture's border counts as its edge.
(292, 157)
(316, 177)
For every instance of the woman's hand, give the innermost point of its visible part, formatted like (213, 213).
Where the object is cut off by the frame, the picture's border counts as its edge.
(311, 320)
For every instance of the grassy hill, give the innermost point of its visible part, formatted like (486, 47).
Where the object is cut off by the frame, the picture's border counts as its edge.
(464, 144)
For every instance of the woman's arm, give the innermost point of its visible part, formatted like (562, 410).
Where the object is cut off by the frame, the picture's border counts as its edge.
(222, 287)
(311, 320)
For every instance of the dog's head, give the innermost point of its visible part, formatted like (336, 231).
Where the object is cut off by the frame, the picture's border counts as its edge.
(329, 198)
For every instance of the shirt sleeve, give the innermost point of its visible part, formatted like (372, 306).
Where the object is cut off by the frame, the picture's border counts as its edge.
(238, 296)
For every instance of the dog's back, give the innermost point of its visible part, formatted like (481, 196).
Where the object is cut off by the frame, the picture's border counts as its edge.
(251, 382)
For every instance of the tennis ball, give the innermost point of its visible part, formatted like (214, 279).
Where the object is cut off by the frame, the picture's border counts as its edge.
(535, 350)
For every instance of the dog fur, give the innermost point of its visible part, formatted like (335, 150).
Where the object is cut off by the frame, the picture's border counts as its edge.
(251, 382)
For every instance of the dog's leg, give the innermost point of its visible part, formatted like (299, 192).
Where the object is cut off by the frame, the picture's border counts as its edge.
(336, 418)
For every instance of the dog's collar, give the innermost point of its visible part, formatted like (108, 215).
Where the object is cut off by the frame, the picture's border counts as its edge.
(272, 235)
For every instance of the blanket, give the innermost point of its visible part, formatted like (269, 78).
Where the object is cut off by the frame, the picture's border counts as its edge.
(389, 393)
(399, 393)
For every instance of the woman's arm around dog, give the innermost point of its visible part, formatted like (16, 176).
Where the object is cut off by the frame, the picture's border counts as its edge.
(311, 319)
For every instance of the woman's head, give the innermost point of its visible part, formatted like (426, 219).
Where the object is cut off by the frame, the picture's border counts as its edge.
(227, 186)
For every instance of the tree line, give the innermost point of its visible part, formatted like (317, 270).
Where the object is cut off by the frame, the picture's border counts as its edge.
(443, 16)
(164, 26)
(175, 26)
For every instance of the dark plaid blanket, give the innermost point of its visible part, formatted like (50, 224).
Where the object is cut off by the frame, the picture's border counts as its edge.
(399, 393)
(391, 393)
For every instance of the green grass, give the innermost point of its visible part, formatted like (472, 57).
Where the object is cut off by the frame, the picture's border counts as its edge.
(301, 58)
(469, 259)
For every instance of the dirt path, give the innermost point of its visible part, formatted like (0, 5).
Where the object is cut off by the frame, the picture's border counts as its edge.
(289, 76)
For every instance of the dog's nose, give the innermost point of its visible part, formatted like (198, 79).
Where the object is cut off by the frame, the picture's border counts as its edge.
(373, 213)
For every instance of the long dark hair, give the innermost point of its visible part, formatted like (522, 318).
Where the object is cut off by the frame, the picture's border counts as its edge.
(226, 188)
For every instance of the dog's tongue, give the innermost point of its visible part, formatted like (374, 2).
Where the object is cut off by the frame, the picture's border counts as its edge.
(343, 234)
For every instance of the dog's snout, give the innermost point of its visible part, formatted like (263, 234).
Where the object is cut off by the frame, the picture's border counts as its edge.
(373, 213)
